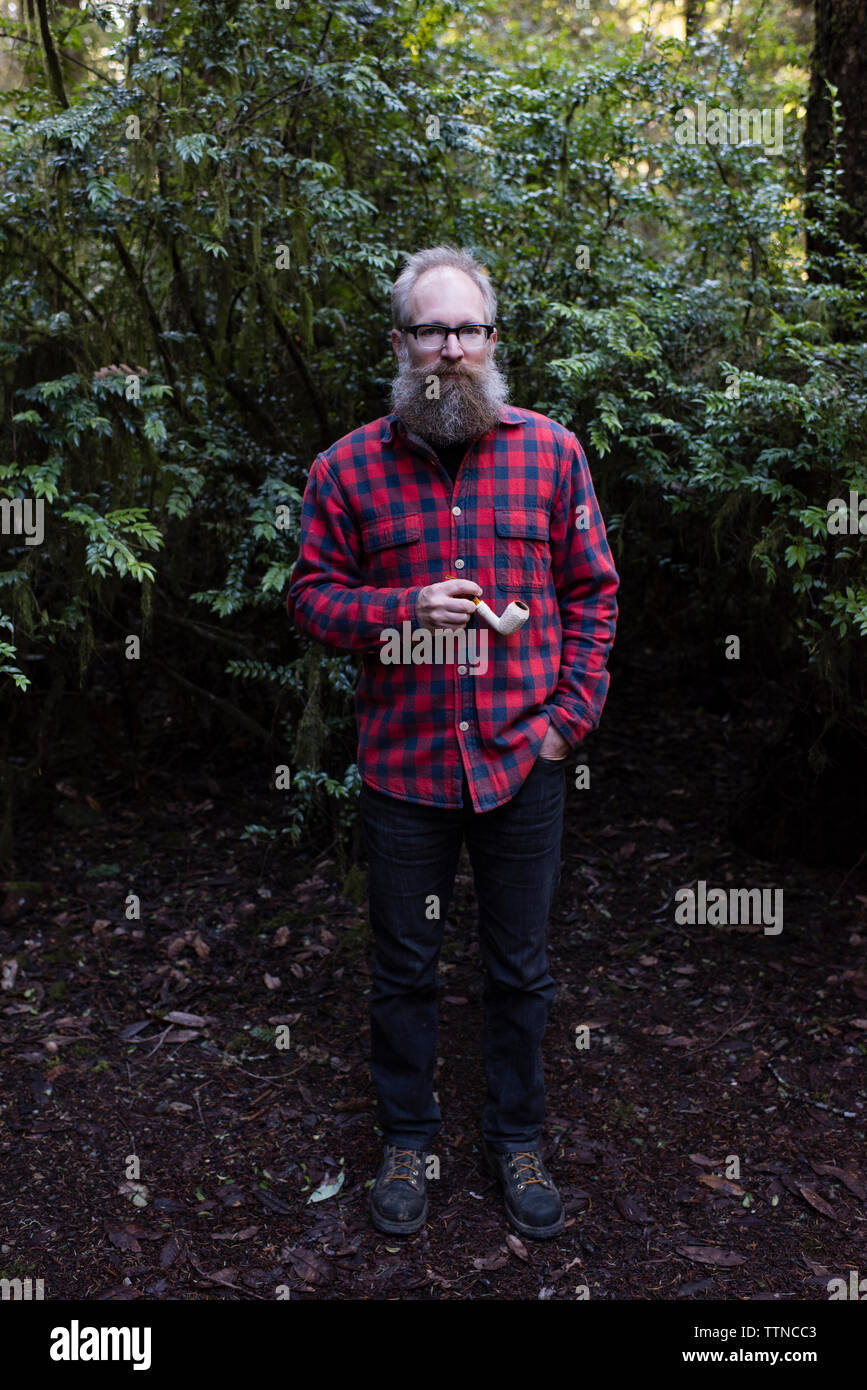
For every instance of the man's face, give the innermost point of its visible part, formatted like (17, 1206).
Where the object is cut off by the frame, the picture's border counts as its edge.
(464, 401)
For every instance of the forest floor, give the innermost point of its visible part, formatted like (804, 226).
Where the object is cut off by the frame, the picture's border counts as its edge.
(158, 1142)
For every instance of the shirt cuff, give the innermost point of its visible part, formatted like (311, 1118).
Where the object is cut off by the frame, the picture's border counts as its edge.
(570, 725)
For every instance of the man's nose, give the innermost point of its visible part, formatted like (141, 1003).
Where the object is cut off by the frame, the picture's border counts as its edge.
(451, 348)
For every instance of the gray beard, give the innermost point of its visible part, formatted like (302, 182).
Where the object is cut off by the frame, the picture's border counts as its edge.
(469, 403)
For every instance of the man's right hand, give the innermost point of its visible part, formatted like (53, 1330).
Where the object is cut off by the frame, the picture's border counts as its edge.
(444, 605)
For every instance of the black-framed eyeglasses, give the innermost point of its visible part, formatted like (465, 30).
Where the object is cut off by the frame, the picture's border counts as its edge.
(433, 335)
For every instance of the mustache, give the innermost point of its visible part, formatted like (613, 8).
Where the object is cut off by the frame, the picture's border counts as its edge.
(425, 369)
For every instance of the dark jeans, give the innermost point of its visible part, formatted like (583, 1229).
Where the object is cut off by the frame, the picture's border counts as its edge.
(413, 854)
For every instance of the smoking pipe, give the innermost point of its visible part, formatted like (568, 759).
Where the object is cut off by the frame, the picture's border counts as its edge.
(513, 617)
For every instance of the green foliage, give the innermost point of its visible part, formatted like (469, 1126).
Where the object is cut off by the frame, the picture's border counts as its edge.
(191, 310)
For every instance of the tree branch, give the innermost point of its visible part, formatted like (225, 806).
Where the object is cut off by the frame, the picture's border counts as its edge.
(152, 316)
(19, 38)
(318, 404)
(52, 63)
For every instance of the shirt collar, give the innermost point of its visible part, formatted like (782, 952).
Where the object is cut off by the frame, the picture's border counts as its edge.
(392, 424)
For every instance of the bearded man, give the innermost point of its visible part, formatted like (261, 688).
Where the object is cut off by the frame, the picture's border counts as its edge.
(454, 482)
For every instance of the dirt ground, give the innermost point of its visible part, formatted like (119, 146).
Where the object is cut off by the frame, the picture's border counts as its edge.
(158, 1139)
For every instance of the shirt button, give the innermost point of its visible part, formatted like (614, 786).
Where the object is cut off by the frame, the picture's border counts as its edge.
(456, 511)
(459, 564)
(463, 725)
(462, 670)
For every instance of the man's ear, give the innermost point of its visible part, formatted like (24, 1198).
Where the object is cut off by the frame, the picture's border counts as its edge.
(395, 341)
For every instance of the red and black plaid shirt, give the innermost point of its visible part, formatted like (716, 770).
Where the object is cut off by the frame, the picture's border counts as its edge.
(381, 520)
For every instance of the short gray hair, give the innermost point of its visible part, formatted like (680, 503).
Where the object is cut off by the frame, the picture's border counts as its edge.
(432, 258)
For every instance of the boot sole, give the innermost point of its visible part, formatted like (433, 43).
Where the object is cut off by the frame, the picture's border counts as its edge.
(535, 1232)
(398, 1228)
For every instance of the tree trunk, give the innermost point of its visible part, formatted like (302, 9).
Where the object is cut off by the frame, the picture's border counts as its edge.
(693, 16)
(49, 54)
(840, 57)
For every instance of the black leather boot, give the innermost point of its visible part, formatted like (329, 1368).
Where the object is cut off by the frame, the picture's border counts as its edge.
(398, 1199)
(532, 1201)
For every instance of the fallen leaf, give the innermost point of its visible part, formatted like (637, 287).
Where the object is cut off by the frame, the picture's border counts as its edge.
(454, 999)
(725, 1185)
(273, 1202)
(169, 1252)
(133, 1028)
(517, 1247)
(711, 1255)
(495, 1260)
(186, 1020)
(309, 1266)
(632, 1209)
(327, 1189)
(136, 1191)
(697, 1286)
(850, 1180)
(123, 1241)
(816, 1202)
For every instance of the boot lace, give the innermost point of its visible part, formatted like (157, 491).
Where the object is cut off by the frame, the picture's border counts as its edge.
(396, 1161)
(526, 1169)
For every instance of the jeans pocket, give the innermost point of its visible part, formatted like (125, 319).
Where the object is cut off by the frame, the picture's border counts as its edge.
(553, 764)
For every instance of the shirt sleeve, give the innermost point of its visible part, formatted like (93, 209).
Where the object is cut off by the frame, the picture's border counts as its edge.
(326, 598)
(586, 583)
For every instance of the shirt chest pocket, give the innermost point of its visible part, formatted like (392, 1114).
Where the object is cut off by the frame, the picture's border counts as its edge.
(393, 550)
(522, 551)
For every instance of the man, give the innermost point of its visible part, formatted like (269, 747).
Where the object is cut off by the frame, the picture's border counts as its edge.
(455, 482)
